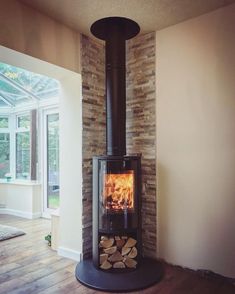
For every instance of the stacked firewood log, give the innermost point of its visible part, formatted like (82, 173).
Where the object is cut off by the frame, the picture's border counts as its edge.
(117, 252)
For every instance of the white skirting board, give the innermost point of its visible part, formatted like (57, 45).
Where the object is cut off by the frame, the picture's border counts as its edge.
(20, 213)
(69, 253)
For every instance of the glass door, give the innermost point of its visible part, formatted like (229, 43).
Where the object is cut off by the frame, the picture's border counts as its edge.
(51, 162)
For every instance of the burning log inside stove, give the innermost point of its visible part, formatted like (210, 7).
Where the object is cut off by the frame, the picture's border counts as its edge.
(115, 204)
(118, 191)
(117, 252)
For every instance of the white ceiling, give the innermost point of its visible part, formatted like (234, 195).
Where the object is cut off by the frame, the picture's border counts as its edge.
(151, 15)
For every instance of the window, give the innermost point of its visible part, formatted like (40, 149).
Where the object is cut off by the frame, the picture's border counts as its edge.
(53, 186)
(4, 147)
(23, 121)
(4, 154)
(4, 122)
(24, 96)
(23, 147)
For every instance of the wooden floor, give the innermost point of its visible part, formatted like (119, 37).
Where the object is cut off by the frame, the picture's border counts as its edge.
(28, 265)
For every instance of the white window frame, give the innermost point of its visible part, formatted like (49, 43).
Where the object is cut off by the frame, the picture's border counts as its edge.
(44, 113)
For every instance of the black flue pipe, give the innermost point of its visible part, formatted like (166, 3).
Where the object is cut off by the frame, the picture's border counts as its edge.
(115, 31)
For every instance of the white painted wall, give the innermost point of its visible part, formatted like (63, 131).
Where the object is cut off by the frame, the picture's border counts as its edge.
(21, 199)
(28, 31)
(71, 168)
(70, 230)
(3, 197)
(196, 142)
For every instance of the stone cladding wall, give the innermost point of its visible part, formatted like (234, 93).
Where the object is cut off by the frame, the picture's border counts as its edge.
(141, 126)
(94, 124)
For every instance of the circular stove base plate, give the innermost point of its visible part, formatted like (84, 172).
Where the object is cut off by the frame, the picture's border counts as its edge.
(148, 273)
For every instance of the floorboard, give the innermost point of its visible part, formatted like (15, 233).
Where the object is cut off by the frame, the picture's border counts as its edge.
(28, 265)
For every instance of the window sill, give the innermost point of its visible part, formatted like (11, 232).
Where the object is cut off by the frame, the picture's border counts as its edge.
(20, 182)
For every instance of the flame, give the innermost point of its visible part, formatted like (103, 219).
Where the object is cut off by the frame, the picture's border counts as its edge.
(118, 192)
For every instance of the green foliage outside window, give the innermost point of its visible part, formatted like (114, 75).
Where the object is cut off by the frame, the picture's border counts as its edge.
(23, 155)
(23, 121)
(3, 122)
(4, 154)
(53, 160)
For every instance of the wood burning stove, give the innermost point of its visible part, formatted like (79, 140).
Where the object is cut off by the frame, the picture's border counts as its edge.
(116, 212)
(117, 263)
(116, 177)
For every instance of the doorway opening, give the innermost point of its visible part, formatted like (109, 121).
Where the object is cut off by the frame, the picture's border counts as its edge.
(68, 104)
(29, 107)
